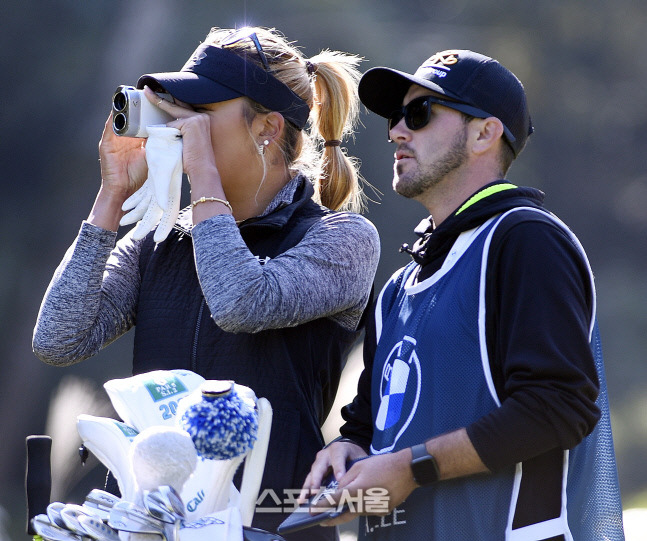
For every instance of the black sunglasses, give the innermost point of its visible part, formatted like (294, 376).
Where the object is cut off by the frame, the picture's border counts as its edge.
(417, 114)
(246, 33)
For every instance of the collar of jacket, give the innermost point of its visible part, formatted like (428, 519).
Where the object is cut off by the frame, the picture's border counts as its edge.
(493, 198)
(274, 220)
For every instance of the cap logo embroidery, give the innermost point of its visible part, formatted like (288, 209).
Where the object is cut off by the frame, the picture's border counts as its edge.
(442, 60)
(197, 58)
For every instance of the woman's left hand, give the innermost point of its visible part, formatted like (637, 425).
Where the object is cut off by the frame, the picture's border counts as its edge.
(197, 149)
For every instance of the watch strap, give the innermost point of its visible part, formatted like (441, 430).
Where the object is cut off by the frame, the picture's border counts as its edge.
(423, 465)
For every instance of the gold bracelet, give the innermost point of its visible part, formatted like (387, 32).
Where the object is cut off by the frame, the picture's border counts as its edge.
(214, 199)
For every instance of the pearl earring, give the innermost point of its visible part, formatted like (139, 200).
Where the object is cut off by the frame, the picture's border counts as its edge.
(261, 148)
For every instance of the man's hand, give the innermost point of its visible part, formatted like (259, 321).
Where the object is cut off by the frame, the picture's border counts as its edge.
(454, 452)
(391, 472)
(334, 457)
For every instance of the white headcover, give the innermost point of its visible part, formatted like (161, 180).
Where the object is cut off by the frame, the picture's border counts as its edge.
(210, 489)
(152, 398)
(159, 398)
(109, 441)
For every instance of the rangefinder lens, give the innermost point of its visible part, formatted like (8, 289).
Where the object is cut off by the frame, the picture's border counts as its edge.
(119, 122)
(119, 101)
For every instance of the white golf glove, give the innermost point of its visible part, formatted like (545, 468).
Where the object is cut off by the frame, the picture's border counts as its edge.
(158, 200)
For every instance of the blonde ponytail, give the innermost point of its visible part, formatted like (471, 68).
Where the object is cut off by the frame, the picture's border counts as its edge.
(334, 115)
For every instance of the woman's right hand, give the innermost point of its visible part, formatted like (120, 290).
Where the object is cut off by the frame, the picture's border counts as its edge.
(123, 162)
(123, 171)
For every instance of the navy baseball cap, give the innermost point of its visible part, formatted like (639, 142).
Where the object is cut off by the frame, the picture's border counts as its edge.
(214, 74)
(472, 83)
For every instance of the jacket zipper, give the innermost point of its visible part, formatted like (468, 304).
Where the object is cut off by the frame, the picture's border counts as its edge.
(194, 352)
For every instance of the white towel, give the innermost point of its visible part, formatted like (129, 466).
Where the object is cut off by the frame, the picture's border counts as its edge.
(158, 200)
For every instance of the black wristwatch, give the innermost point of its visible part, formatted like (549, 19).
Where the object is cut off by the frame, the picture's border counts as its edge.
(424, 466)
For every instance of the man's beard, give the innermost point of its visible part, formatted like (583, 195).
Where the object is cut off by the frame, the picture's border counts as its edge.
(417, 182)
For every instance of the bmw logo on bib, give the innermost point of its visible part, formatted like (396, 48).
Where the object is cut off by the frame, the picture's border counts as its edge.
(399, 395)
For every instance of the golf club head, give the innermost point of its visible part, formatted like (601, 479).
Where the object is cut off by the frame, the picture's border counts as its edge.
(54, 514)
(70, 514)
(174, 500)
(129, 517)
(50, 532)
(156, 506)
(97, 529)
(99, 502)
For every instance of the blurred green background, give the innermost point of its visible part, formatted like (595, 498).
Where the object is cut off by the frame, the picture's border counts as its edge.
(585, 70)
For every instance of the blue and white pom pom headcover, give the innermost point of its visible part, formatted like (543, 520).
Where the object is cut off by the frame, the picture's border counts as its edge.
(221, 425)
(215, 74)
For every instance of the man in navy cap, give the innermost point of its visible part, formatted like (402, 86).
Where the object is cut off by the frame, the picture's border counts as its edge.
(483, 403)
